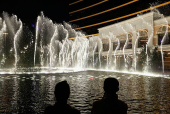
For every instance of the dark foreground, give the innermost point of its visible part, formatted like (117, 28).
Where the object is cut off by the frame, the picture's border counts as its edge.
(32, 93)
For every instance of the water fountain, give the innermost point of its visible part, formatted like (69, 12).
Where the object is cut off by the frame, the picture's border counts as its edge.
(52, 49)
(31, 65)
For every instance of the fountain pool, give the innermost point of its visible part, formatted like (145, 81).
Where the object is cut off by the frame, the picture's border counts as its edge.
(32, 63)
(31, 93)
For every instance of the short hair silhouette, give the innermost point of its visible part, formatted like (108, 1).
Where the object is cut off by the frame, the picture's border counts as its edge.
(110, 104)
(62, 91)
(111, 85)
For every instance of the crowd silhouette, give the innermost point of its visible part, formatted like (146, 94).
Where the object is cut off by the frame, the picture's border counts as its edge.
(109, 104)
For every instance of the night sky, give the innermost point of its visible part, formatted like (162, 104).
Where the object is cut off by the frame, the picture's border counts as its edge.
(58, 10)
(28, 10)
(128, 9)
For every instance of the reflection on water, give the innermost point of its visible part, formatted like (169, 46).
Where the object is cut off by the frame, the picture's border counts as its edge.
(32, 93)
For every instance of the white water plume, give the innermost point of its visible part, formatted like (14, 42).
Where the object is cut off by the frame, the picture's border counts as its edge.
(125, 45)
(100, 50)
(94, 46)
(134, 48)
(36, 38)
(63, 57)
(16, 38)
(14, 30)
(51, 46)
(136, 41)
(60, 46)
(150, 37)
(117, 47)
(159, 15)
(2, 33)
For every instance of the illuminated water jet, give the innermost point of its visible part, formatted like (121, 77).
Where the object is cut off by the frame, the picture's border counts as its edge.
(54, 50)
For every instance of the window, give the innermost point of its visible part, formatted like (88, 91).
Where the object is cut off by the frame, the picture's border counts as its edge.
(122, 38)
(105, 42)
(114, 45)
(105, 47)
(143, 38)
(161, 32)
(129, 45)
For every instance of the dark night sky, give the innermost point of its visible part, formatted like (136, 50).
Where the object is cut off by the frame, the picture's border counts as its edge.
(28, 10)
(131, 8)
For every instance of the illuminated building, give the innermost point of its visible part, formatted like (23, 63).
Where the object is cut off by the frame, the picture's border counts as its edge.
(147, 26)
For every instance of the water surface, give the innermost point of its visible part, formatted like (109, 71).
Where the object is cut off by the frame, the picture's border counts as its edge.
(32, 93)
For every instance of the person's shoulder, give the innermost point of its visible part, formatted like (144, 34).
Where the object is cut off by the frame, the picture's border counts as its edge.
(122, 104)
(61, 110)
(49, 109)
(73, 110)
(98, 103)
(97, 106)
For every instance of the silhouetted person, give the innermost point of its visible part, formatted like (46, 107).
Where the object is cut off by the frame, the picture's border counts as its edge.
(110, 104)
(62, 92)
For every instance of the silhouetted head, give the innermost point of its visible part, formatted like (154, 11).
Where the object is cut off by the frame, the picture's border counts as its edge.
(111, 85)
(62, 91)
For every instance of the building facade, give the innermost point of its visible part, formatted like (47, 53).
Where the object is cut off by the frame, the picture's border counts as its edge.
(129, 36)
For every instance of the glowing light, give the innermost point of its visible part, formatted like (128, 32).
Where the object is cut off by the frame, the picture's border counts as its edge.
(149, 39)
(85, 36)
(75, 2)
(166, 33)
(110, 50)
(52, 39)
(135, 59)
(15, 38)
(125, 45)
(104, 11)
(88, 6)
(79, 69)
(123, 16)
(33, 25)
(36, 40)
(101, 47)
